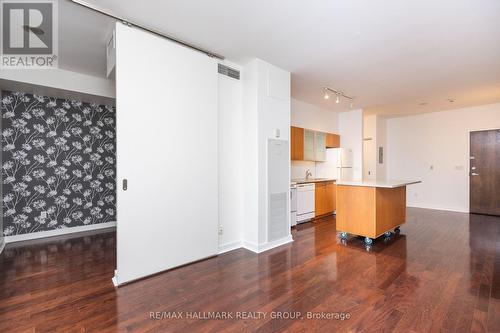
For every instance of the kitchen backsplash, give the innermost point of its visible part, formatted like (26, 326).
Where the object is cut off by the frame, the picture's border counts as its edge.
(58, 163)
(299, 168)
(327, 169)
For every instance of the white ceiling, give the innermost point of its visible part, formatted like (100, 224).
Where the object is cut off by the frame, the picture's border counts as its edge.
(391, 54)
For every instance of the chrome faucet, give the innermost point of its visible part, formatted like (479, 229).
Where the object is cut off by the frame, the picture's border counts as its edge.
(308, 173)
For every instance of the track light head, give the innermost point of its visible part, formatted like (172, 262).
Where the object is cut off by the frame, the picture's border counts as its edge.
(326, 94)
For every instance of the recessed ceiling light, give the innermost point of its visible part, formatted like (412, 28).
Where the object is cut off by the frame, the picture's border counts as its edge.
(451, 100)
(423, 104)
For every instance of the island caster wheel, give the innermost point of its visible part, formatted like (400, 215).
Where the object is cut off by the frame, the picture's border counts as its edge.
(397, 230)
(368, 241)
(388, 234)
(343, 235)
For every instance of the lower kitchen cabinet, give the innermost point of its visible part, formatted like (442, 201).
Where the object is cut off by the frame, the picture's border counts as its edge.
(324, 198)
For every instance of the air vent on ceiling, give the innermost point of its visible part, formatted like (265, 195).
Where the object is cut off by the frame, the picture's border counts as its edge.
(228, 71)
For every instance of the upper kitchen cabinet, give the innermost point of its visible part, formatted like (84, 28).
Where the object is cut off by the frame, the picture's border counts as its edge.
(332, 140)
(319, 146)
(309, 145)
(297, 143)
(309, 151)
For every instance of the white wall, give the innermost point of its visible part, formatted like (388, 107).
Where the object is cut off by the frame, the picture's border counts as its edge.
(273, 115)
(351, 136)
(374, 137)
(369, 147)
(250, 149)
(439, 140)
(381, 142)
(230, 162)
(309, 116)
(266, 108)
(59, 83)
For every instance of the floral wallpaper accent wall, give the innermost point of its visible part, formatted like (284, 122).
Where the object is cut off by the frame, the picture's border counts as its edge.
(58, 166)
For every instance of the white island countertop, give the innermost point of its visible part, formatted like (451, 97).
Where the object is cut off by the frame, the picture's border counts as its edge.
(384, 183)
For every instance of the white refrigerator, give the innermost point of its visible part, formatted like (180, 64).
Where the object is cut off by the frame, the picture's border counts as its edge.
(343, 161)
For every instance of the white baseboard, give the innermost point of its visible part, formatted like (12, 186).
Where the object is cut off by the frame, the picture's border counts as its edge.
(2, 244)
(58, 232)
(267, 246)
(271, 245)
(230, 246)
(439, 207)
(251, 246)
(114, 279)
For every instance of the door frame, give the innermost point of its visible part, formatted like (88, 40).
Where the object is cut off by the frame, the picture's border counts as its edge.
(496, 128)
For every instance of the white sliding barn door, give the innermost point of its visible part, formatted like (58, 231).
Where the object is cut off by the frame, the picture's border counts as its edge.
(166, 97)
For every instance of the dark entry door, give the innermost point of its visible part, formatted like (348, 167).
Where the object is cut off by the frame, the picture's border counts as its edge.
(485, 172)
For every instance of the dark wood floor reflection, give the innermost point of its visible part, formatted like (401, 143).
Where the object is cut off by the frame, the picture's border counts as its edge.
(441, 274)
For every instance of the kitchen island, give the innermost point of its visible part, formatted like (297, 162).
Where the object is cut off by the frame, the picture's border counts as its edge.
(371, 208)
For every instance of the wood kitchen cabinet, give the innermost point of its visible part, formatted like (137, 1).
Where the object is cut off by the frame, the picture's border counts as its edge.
(309, 145)
(330, 190)
(297, 143)
(324, 198)
(332, 140)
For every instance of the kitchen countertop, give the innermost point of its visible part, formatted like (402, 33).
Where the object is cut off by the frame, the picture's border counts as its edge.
(384, 183)
(311, 180)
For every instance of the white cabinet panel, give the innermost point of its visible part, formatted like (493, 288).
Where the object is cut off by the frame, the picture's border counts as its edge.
(320, 146)
(309, 145)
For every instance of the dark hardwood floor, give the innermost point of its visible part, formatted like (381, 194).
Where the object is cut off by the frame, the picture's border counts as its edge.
(441, 274)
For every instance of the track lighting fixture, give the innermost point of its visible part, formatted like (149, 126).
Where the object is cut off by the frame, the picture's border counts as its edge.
(338, 95)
